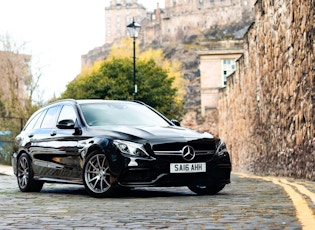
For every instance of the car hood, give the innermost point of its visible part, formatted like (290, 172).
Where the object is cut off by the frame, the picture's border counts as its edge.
(151, 133)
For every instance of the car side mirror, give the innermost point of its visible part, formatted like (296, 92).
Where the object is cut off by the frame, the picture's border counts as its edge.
(175, 122)
(66, 124)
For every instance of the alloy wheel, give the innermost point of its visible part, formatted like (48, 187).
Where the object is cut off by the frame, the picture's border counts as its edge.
(25, 175)
(96, 174)
(23, 172)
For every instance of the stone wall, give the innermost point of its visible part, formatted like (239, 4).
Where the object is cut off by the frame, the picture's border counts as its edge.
(266, 112)
(207, 123)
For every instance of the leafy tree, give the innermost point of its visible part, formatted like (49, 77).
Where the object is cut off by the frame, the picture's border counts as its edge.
(113, 79)
(124, 49)
(160, 82)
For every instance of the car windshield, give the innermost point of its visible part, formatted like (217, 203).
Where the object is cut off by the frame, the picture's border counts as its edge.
(120, 113)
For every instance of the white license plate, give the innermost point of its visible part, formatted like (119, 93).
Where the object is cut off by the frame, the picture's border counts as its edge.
(187, 167)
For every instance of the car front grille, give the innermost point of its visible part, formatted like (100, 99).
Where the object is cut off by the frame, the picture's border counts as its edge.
(174, 151)
(180, 153)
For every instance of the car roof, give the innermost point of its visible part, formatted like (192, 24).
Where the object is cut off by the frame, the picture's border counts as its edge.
(89, 101)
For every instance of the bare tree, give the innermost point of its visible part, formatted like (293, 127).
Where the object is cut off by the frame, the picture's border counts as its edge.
(17, 87)
(17, 81)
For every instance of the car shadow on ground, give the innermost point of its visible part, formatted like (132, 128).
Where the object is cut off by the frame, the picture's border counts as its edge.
(147, 192)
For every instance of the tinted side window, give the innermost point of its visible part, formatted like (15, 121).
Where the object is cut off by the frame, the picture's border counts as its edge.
(40, 120)
(50, 118)
(32, 122)
(67, 113)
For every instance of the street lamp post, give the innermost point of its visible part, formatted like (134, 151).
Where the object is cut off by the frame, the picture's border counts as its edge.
(133, 30)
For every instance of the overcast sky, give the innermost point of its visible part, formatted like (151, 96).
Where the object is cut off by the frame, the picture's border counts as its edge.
(57, 33)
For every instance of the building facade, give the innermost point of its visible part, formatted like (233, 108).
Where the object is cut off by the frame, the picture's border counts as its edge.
(179, 18)
(118, 15)
(14, 74)
(184, 17)
(215, 66)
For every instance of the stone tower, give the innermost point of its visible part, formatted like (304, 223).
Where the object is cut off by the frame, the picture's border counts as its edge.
(118, 15)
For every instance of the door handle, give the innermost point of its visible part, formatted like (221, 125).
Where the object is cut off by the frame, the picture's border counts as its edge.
(31, 135)
(53, 133)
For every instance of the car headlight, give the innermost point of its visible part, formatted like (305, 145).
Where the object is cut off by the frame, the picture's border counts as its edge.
(220, 148)
(131, 148)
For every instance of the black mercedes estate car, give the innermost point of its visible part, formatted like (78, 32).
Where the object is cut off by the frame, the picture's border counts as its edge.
(108, 145)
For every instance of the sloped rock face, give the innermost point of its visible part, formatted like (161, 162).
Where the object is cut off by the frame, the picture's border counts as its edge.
(266, 112)
(190, 68)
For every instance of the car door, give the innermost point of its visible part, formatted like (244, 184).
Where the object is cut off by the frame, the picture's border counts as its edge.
(28, 139)
(41, 140)
(63, 153)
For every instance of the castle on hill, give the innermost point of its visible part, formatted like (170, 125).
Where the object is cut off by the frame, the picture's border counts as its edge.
(179, 19)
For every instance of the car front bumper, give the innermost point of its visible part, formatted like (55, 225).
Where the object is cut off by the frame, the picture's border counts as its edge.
(157, 173)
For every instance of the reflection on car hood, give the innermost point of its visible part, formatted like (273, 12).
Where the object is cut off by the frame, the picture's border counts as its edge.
(151, 132)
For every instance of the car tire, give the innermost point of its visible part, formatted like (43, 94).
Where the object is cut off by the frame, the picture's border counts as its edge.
(207, 189)
(97, 177)
(25, 175)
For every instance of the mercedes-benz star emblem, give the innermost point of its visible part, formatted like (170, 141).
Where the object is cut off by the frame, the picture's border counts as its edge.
(188, 153)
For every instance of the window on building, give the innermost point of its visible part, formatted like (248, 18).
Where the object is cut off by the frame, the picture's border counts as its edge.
(228, 67)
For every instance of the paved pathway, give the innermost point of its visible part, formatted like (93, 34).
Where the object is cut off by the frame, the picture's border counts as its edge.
(249, 202)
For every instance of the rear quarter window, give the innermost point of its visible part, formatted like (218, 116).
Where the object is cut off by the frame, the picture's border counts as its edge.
(32, 121)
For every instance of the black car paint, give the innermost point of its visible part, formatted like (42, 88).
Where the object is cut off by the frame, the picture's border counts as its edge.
(58, 154)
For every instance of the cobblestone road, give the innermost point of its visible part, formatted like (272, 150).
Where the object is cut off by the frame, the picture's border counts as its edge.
(246, 203)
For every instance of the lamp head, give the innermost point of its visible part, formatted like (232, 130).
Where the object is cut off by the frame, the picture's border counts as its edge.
(133, 29)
